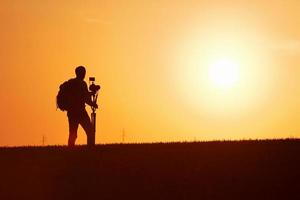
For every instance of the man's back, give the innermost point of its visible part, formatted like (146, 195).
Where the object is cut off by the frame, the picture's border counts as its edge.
(79, 93)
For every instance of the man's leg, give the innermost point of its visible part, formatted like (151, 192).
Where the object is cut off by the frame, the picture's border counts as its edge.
(86, 124)
(73, 127)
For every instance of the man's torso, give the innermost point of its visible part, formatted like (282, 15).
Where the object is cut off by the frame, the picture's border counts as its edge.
(79, 92)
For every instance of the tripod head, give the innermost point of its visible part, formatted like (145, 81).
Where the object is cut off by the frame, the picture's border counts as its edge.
(94, 89)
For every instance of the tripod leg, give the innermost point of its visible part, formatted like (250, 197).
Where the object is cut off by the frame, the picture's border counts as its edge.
(91, 141)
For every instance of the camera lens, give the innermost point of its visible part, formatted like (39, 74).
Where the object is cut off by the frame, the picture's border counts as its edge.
(94, 88)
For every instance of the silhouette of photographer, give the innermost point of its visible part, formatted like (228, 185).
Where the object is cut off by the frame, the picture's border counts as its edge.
(72, 97)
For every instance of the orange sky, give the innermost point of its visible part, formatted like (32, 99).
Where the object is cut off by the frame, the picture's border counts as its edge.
(150, 58)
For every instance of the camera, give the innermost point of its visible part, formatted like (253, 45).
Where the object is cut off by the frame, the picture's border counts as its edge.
(93, 87)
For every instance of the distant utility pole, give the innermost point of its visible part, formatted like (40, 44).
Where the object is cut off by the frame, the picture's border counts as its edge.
(123, 135)
(43, 140)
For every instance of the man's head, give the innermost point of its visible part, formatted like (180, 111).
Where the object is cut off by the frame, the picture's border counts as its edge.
(80, 72)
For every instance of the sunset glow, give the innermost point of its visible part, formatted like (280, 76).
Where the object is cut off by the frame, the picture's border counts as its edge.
(224, 73)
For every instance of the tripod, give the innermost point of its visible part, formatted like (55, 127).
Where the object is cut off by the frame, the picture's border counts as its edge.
(94, 91)
(93, 121)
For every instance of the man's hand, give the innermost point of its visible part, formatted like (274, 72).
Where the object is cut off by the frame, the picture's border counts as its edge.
(94, 105)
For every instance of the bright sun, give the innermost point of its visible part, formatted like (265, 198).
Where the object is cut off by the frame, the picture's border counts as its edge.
(224, 73)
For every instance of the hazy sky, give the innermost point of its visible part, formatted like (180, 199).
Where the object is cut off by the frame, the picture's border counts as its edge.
(154, 61)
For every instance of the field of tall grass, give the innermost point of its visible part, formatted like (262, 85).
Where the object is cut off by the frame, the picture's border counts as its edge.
(253, 169)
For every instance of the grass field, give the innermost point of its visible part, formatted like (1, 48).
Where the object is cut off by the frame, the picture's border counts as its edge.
(266, 169)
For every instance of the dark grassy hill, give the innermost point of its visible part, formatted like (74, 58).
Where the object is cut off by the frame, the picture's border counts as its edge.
(210, 170)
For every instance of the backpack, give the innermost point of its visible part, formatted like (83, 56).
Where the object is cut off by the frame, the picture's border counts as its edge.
(64, 96)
